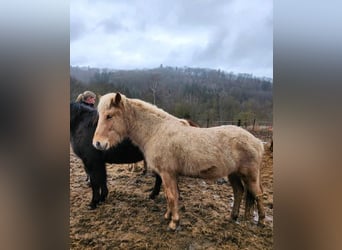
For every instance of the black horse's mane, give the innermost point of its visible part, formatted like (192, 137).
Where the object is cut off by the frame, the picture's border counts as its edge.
(80, 112)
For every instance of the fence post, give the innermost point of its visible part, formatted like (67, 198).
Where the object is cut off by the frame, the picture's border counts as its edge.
(254, 123)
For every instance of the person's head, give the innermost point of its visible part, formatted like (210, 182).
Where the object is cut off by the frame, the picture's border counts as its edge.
(88, 97)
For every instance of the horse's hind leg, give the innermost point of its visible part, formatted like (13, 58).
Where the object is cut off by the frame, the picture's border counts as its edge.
(250, 200)
(238, 190)
(254, 187)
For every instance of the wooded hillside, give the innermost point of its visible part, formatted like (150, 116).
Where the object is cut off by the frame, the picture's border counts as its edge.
(206, 96)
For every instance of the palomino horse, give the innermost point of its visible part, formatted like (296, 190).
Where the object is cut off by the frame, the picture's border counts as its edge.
(173, 149)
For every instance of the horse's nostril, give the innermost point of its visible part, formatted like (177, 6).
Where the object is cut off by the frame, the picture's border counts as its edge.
(97, 144)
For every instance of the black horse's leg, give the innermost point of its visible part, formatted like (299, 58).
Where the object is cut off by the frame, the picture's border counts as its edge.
(87, 174)
(96, 191)
(88, 180)
(145, 168)
(156, 188)
(97, 173)
(103, 182)
(104, 192)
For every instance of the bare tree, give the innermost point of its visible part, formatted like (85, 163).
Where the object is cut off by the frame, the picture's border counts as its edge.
(154, 87)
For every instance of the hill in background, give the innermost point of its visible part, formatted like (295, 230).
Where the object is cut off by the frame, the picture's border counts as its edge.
(206, 96)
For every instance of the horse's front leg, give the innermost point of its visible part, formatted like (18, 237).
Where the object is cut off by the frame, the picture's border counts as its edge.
(171, 193)
(98, 180)
(96, 192)
(103, 184)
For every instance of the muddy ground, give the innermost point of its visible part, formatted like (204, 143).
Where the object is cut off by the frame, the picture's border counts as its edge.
(130, 220)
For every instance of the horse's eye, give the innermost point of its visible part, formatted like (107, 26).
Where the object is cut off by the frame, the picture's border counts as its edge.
(109, 117)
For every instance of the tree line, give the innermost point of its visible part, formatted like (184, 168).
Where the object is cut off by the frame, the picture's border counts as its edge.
(202, 95)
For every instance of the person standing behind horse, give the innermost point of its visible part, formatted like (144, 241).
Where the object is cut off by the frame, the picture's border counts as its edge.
(87, 98)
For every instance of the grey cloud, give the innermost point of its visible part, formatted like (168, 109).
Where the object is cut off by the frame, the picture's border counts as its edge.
(250, 46)
(216, 48)
(203, 13)
(77, 29)
(216, 34)
(111, 25)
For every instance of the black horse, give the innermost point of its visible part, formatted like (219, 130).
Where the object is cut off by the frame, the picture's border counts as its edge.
(83, 121)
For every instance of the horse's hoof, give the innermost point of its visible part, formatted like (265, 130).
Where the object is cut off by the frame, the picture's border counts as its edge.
(174, 225)
(234, 218)
(177, 229)
(167, 216)
(92, 206)
(152, 196)
(221, 181)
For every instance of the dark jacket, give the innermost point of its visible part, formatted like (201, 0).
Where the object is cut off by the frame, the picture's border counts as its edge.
(88, 104)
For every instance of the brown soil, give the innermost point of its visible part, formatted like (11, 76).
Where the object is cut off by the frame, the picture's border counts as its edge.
(130, 220)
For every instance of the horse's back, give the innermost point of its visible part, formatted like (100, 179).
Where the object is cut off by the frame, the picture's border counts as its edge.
(198, 139)
(213, 152)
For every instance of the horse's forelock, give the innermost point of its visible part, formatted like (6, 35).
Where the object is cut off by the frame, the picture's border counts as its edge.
(110, 100)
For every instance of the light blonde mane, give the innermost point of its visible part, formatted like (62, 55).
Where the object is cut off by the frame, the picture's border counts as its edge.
(148, 107)
(141, 105)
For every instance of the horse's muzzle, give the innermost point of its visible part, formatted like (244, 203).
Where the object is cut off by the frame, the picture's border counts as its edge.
(100, 146)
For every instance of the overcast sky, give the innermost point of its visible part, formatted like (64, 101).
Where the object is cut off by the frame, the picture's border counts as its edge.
(234, 36)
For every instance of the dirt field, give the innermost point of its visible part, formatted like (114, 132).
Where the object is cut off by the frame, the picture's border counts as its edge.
(129, 220)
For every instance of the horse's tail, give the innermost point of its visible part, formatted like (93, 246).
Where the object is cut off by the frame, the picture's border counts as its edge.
(260, 180)
(261, 154)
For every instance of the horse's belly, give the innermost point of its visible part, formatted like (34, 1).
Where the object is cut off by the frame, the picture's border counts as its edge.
(211, 172)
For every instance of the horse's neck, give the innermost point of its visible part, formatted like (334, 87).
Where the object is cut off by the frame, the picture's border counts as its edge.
(84, 121)
(144, 124)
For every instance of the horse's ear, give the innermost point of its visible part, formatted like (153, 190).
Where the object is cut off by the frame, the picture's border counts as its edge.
(117, 98)
(115, 102)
